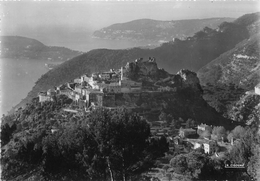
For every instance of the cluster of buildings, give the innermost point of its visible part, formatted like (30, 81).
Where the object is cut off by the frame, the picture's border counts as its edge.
(187, 135)
(190, 135)
(99, 89)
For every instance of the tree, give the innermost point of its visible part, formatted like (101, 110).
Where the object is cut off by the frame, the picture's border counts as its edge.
(123, 140)
(163, 116)
(190, 123)
(245, 152)
(188, 164)
(6, 132)
(220, 132)
(205, 134)
(238, 132)
(169, 119)
(230, 136)
(253, 167)
(106, 144)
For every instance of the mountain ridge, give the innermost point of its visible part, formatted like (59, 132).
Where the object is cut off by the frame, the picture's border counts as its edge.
(157, 30)
(17, 47)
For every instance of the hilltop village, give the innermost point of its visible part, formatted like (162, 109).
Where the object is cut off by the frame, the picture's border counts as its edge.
(103, 89)
(114, 88)
(98, 89)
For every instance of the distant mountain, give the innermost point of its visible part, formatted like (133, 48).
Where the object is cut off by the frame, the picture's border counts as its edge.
(17, 47)
(192, 53)
(156, 30)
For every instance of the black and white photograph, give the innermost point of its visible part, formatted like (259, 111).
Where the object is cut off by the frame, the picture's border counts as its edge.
(130, 90)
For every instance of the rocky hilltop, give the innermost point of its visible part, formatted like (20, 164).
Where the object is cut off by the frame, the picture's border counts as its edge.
(17, 47)
(142, 69)
(192, 53)
(157, 31)
(154, 90)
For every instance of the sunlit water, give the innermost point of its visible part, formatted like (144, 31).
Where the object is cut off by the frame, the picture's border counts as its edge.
(19, 76)
(17, 79)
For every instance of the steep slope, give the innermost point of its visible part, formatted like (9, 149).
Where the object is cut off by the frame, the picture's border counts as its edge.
(228, 77)
(247, 109)
(155, 30)
(192, 53)
(240, 66)
(17, 47)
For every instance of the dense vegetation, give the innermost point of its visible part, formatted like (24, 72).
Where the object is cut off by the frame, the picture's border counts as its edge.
(43, 142)
(196, 165)
(222, 97)
(103, 145)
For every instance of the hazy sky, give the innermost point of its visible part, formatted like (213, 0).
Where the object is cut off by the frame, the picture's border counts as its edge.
(34, 15)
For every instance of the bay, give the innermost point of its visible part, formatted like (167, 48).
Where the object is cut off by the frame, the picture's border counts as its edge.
(19, 76)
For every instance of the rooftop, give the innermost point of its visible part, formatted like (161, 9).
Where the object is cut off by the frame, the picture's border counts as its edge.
(201, 141)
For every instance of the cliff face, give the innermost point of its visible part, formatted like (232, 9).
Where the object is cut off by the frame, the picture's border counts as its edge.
(189, 79)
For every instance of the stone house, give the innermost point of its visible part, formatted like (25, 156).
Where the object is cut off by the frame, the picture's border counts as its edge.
(208, 146)
(78, 80)
(105, 75)
(91, 96)
(128, 85)
(43, 96)
(257, 89)
(187, 132)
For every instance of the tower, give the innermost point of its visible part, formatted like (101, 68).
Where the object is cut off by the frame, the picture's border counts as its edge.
(122, 73)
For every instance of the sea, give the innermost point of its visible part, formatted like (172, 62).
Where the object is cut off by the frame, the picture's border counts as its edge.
(18, 77)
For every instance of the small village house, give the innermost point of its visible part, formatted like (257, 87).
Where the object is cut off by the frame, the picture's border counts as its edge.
(257, 89)
(208, 146)
(44, 96)
(187, 132)
(105, 75)
(78, 80)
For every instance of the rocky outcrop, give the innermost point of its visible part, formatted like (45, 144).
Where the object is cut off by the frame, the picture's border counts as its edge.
(141, 68)
(189, 79)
